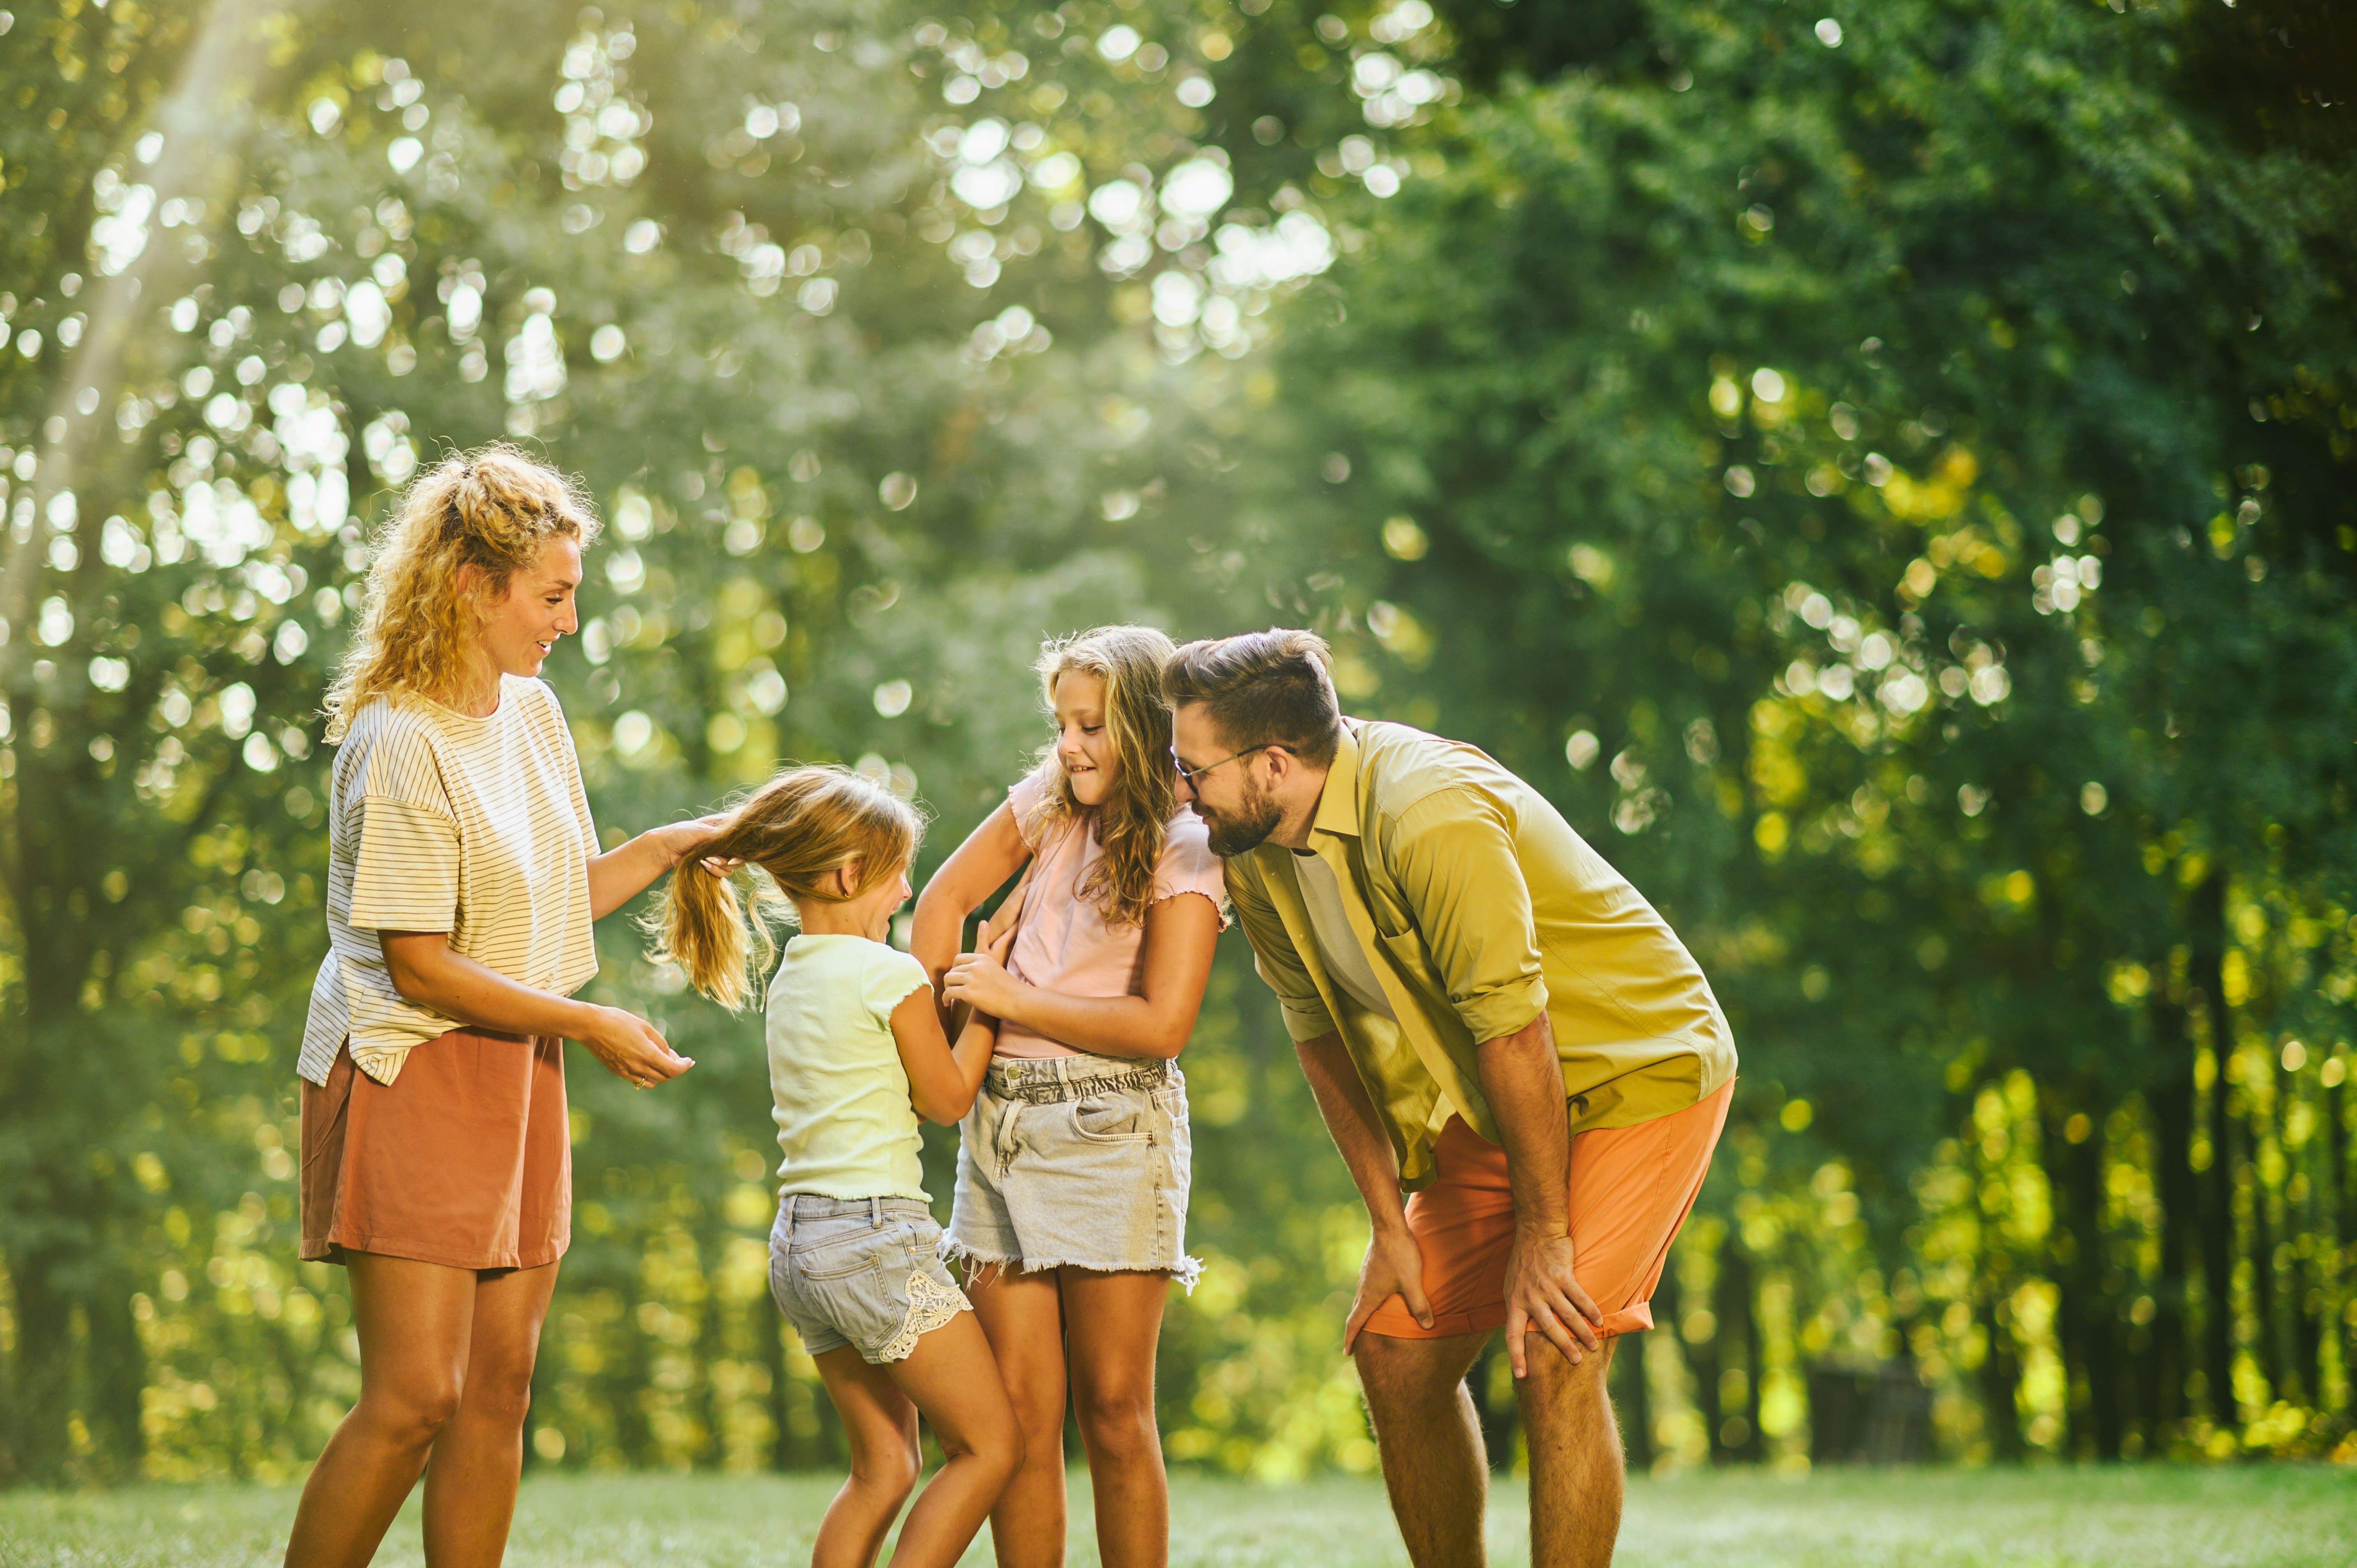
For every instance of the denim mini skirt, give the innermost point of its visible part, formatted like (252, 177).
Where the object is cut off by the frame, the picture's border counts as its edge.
(1076, 1162)
(864, 1272)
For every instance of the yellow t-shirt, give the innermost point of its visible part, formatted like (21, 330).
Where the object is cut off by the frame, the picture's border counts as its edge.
(844, 1121)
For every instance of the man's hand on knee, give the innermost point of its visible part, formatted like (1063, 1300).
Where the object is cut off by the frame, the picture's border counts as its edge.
(1543, 1296)
(1393, 1266)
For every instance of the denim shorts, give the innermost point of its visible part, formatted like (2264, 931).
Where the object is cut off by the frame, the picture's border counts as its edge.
(1076, 1162)
(865, 1272)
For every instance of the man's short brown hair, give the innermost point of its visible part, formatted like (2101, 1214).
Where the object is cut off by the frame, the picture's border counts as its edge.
(1273, 687)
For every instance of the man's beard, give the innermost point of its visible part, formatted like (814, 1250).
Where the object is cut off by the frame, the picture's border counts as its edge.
(1250, 826)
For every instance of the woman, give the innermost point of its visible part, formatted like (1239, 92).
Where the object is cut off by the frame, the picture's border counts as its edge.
(463, 875)
(1072, 1168)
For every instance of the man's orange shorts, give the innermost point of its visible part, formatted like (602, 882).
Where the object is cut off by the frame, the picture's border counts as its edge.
(1631, 1187)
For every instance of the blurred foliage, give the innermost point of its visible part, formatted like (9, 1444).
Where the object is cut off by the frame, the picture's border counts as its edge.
(1887, 476)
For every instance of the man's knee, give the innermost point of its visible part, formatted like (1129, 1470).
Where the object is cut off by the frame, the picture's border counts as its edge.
(1553, 1391)
(1406, 1373)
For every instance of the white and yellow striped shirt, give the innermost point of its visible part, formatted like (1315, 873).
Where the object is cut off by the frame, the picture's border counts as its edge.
(438, 821)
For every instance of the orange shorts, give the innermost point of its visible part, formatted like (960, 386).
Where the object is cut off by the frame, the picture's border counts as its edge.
(1631, 1187)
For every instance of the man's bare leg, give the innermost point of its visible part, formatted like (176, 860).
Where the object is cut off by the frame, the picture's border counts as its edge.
(1576, 1473)
(1430, 1440)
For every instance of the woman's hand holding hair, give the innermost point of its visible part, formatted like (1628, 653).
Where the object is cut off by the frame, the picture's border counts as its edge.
(679, 838)
(621, 875)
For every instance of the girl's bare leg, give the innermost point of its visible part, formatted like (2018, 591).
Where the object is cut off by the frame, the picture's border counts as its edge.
(950, 1377)
(416, 1326)
(880, 1425)
(1112, 1325)
(477, 1460)
(1023, 1315)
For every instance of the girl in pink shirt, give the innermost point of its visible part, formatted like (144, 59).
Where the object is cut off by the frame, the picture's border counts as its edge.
(1070, 1212)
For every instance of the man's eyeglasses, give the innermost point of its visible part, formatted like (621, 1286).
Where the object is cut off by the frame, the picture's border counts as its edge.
(1188, 776)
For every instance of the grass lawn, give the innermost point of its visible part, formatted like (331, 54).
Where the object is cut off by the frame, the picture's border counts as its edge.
(2278, 1516)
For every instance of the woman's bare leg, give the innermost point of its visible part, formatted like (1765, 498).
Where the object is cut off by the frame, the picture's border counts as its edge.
(950, 1377)
(880, 1425)
(1112, 1325)
(1022, 1317)
(416, 1325)
(471, 1476)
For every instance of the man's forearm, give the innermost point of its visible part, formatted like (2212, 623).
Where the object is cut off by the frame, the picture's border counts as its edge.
(1523, 1078)
(1349, 1115)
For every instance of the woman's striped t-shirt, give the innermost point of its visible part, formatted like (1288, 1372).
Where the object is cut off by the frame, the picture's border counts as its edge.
(439, 821)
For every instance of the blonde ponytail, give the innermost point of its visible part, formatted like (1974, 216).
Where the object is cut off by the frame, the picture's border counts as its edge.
(799, 829)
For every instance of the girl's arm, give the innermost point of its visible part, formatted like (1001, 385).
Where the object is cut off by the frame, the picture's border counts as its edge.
(621, 873)
(1181, 934)
(991, 853)
(942, 1079)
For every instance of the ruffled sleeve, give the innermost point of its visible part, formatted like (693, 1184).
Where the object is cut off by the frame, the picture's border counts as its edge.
(1189, 865)
(892, 977)
(1023, 796)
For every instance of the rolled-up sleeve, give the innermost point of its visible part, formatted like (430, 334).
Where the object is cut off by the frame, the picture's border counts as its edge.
(1452, 856)
(1306, 1014)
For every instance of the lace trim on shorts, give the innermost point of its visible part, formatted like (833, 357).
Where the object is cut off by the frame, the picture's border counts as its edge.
(931, 1304)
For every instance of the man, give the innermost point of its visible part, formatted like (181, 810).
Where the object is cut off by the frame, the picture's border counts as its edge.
(1490, 1018)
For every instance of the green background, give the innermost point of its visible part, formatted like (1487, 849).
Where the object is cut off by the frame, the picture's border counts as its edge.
(1886, 475)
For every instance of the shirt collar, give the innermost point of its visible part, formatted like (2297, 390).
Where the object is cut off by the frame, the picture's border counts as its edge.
(1337, 804)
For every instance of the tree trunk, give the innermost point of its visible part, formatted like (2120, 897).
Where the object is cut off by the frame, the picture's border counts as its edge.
(1703, 1358)
(2172, 1101)
(118, 1364)
(2215, 1186)
(2090, 1365)
(2342, 1182)
(44, 1369)
(1632, 1402)
(2000, 1370)
(1739, 1332)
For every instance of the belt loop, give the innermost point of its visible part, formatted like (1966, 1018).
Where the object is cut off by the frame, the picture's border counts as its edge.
(786, 1220)
(876, 1213)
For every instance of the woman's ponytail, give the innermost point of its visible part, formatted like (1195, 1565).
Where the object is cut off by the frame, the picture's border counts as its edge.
(797, 830)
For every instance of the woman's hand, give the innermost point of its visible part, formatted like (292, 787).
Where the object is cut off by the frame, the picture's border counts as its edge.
(678, 838)
(618, 875)
(632, 1049)
(980, 980)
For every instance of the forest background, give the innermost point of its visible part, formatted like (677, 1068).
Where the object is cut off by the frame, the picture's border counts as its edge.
(1886, 474)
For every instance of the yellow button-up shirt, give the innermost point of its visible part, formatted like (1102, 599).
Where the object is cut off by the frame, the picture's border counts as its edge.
(1478, 908)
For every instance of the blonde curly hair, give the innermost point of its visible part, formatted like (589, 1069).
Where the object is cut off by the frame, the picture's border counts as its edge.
(491, 509)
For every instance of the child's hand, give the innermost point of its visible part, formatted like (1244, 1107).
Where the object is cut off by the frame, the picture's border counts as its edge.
(980, 980)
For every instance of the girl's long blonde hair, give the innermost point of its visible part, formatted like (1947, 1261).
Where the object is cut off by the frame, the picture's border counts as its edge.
(799, 828)
(491, 509)
(1135, 814)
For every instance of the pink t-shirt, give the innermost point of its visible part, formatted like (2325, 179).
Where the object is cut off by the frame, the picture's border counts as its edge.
(1064, 943)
